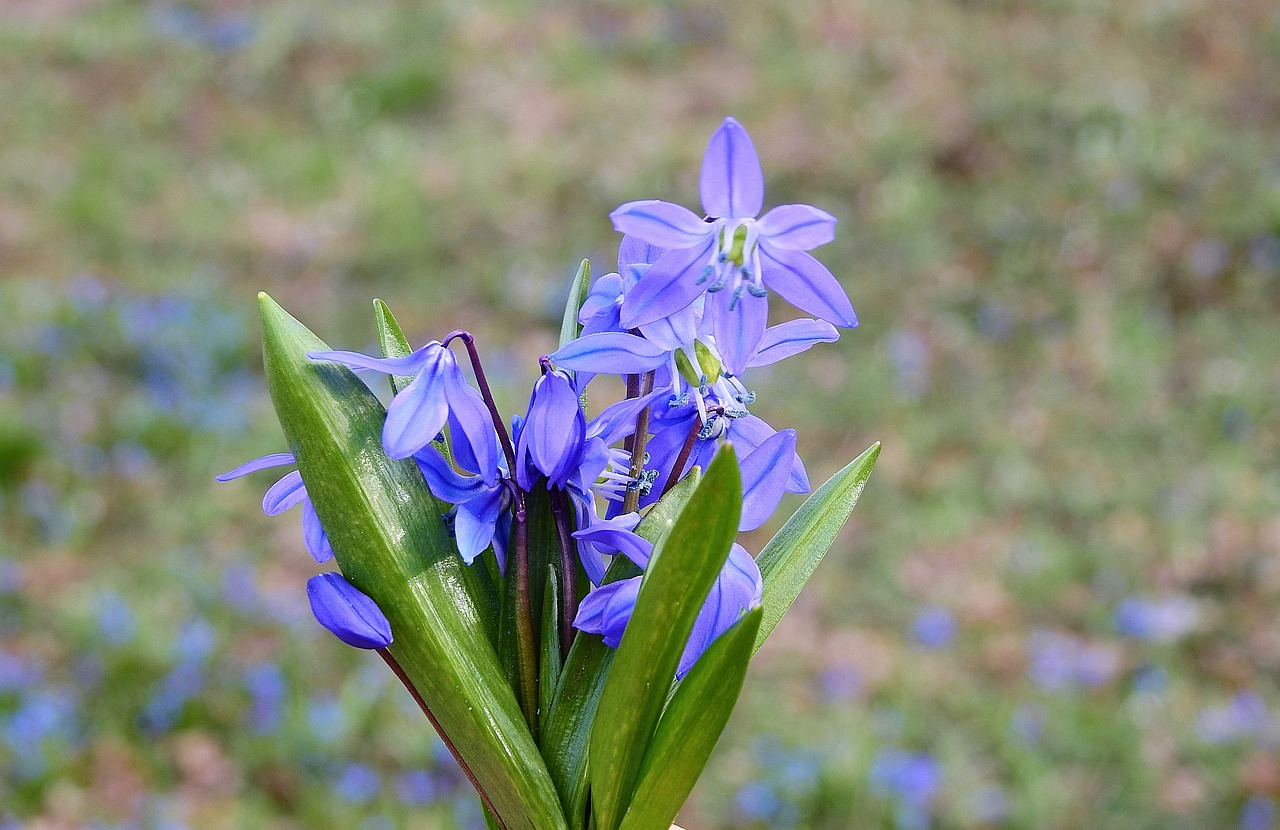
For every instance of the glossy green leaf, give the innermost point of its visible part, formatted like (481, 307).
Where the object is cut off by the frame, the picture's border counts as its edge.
(676, 583)
(690, 727)
(787, 562)
(565, 738)
(392, 341)
(570, 328)
(392, 544)
(549, 648)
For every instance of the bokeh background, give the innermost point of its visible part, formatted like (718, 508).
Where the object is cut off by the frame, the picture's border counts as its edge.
(1056, 605)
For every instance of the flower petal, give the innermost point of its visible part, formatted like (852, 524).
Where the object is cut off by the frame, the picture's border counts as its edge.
(791, 338)
(618, 420)
(732, 183)
(807, 284)
(797, 227)
(471, 423)
(610, 352)
(475, 523)
(348, 613)
(607, 610)
(446, 483)
(750, 432)
(738, 325)
(284, 494)
(675, 330)
(765, 471)
(278, 459)
(554, 428)
(738, 588)
(669, 285)
(613, 535)
(313, 534)
(417, 413)
(660, 223)
(635, 251)
(407, 365)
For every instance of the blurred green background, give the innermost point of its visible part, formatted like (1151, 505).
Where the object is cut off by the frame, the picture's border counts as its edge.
(1056, 605)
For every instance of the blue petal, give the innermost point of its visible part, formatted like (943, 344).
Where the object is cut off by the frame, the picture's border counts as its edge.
(669, 285)
(618, 420)
(584, 515)
(797, 227)
(765, 471)
(278, 459)
(350, 615)
(313, 534)
(807, 284)
(750, 432)
(554, 428)
(662, 224)
(675, 330)
(615, 535)
(610, 352)
(732, 182)
(635, 251)
(446, 483)
(791, 338)
(738, 329)
(738, 588)
(471, 422)
(409, 364)
(418, 412)
(284, 494)
(475, 523)
(607, 609)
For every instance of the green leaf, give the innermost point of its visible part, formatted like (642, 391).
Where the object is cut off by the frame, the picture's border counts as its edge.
(569, 326)
(691, 725)
(549, 651)
(787, 562)
(392, 544)
(392, 341)
(565, 737)
(676, 583)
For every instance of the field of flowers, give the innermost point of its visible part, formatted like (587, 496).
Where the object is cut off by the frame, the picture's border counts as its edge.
(1058, 602)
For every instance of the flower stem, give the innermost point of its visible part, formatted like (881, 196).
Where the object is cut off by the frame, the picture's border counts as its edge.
(568, 572)
(483, 383)
(526, 646)
(631, 502)
(677, 469)
(422, 704)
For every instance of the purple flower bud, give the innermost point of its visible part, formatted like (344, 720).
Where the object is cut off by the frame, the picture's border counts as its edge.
(347, 612)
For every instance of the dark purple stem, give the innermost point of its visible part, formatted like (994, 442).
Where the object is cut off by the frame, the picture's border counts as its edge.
(422, 704)
(568, 572)
(483, 383)
(631, 502)
(677, 469)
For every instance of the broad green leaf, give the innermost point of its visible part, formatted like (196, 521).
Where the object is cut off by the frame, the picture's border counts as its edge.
(392, 544)
(569, 326)
(787, 562)
(676, 583)
(549, 649)
(690, 727)
(392, 341)
(568, 728)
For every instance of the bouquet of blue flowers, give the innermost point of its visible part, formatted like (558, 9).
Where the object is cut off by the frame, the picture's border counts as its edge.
(562, 593)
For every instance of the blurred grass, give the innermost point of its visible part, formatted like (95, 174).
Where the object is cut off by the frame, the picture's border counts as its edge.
(1060, 226)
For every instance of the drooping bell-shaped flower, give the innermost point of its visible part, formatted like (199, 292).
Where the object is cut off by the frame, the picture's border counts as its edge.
(732, 255)
(347, 612)
(286, 493)
(482, 513)
(438, 394)
(738, 588)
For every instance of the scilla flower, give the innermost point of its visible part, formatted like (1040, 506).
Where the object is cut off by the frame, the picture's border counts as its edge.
(284, 494)
(732, 255)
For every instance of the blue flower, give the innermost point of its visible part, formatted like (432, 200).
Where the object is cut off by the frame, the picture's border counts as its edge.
(347, 612)
(483, 510)
(732, 255)
(438, 395)
(738, 588)
(284, 494)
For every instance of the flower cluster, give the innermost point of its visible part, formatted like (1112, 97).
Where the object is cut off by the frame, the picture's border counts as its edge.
(682, 320)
